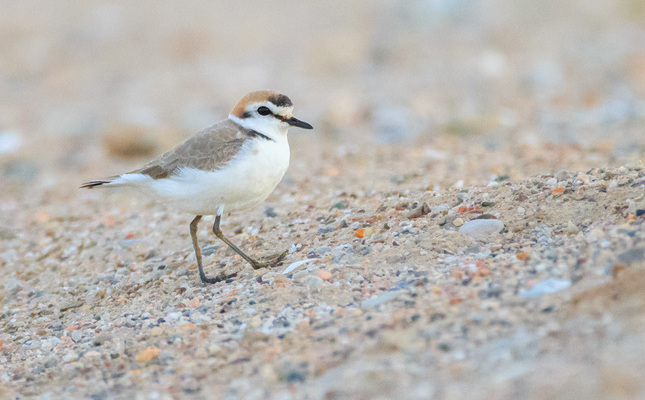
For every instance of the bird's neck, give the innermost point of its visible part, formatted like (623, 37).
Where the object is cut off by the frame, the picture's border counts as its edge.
(271, 128)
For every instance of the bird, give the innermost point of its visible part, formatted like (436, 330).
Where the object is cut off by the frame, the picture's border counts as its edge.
(230, 166)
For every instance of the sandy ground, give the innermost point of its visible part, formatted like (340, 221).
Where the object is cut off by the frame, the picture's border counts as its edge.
(471, 202)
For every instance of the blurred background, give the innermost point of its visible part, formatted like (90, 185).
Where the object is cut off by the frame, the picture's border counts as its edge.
(445, 90)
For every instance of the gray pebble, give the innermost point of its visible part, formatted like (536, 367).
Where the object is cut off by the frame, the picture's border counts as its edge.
(380, 299)
(563, 175)
(544, 287)
(324, 250)
(102, 338)
(480, 228)
(76, 336)
(315, 281)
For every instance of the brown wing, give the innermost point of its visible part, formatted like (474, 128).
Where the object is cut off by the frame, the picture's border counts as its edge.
(208, 150)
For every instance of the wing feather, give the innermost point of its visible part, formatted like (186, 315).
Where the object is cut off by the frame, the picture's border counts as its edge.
(207, 150)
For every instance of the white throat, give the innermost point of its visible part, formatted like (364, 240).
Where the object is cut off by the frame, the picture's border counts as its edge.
(271, 127)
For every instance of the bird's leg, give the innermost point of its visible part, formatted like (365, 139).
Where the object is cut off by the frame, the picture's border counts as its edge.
(255, 264)
(198, 254)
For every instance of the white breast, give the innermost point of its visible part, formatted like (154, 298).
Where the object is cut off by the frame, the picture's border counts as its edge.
(247, 180)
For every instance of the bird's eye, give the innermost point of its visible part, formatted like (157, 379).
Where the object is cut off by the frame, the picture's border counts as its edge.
(264, 110)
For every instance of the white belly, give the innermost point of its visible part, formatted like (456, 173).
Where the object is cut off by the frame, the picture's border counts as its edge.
(247, 180)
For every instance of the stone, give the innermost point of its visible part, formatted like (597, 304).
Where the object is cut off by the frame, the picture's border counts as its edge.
(481, 228)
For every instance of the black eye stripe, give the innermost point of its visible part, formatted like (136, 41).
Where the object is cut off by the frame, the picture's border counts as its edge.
(264, 110)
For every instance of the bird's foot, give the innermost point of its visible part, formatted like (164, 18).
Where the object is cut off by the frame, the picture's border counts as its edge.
(221, 277)
(270, 261)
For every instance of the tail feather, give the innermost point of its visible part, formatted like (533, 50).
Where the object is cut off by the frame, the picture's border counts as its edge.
(98, 183)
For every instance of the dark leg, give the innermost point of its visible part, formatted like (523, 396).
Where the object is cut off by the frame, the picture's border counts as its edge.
(198, 253)
(254, 264)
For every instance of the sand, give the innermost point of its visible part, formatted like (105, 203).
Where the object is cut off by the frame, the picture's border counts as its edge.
(466, 220)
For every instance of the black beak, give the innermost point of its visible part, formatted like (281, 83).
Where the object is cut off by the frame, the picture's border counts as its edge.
(297, 123)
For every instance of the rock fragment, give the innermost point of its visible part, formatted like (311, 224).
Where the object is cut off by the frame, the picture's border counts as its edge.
(481, 228)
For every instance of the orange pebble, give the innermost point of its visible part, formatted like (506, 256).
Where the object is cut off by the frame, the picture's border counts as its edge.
(557, 191)
(359, 233)
(523, 256)
(193, 303)
(147, 355)
(324, 275)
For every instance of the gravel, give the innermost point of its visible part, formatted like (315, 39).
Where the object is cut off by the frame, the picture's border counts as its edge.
(465, 220)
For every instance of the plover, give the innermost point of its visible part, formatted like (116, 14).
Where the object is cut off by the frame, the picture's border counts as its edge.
(232, 165)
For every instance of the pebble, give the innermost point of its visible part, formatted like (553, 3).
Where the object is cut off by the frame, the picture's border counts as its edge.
(70, 357)
(172, 317)
(192, 303)
(613, 184)
(562, 175)
(324, 275)
(458, 222)
(582, 177)
(315, 281)
(552, 182)
(572, 229)
(102, 338)
(440, 208)
(76, 336)
(480, 228)
(323, 250)
(380, 299)
(147, 355)
(363, 233)
(548, 286)
(10, 142)
(420, 211)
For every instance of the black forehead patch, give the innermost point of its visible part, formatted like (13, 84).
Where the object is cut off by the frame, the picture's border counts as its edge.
(281, 100)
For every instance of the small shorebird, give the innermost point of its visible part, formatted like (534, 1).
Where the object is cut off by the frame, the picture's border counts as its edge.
(232, 165)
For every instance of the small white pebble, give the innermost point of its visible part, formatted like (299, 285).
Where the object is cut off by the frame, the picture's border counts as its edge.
(172, 317)
(521, 210)
(572, 229)
(440, 208)
(479, 228)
